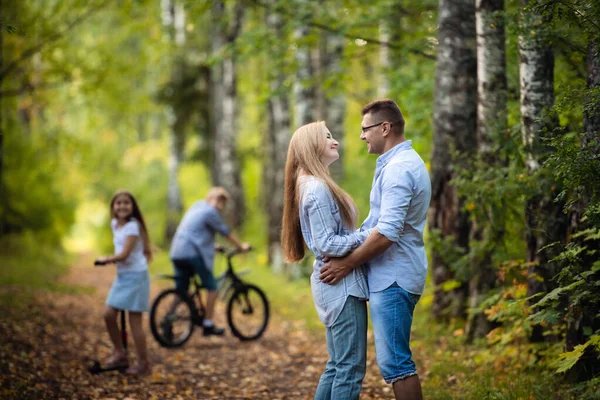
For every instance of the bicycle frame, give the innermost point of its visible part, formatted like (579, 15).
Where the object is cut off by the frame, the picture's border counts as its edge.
(227, 283)
(240, 299)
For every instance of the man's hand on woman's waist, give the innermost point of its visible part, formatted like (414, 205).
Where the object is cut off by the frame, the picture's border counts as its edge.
(337, 268)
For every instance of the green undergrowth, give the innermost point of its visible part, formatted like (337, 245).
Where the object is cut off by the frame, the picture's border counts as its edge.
(456, 370)
(32, 263)
(449, 368)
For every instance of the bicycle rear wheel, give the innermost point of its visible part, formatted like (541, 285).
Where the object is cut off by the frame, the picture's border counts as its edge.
(172, 318)
(248, 312)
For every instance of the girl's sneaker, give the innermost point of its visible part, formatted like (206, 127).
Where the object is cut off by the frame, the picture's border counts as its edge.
(116, 360)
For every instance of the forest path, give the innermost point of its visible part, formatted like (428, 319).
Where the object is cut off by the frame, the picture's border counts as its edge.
(51, 340)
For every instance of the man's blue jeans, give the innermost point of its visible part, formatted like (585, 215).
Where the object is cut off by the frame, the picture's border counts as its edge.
(347, 347)
(391, 314)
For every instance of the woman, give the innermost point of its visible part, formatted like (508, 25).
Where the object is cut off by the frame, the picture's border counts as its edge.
(317, 211)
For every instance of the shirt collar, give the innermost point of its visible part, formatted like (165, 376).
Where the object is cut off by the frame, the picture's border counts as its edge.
(385, 158)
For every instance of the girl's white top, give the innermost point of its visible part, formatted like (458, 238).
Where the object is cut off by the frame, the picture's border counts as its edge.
(136, 261)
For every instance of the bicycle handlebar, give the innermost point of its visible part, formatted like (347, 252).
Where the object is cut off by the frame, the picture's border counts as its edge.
(230, 252)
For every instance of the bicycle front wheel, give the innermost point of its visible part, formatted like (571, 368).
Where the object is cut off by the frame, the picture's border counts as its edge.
(248, 312)
(171, 319)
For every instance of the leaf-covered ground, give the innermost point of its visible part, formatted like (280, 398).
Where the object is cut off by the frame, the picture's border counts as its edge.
(48, 341)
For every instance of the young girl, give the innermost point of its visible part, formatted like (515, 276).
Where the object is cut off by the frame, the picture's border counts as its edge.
(317, 211)
(131, 288)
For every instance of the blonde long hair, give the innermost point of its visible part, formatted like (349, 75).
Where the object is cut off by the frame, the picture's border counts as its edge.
(306, 147)
(137, 214)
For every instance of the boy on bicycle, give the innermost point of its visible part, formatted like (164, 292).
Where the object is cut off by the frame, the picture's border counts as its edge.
(193, 248)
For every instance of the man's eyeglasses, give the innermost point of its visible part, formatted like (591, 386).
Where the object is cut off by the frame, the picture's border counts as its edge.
(366, 128)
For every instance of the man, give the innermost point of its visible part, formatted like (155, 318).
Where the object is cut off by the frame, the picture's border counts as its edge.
(193, 248)
(395, 250)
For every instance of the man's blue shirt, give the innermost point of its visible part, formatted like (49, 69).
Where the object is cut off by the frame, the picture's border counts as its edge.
(195, 235)
(399, 201)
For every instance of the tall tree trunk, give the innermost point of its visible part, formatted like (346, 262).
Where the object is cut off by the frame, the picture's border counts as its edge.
(491, 75)
(173, 16)
(589, 364)
(277, 141)
(2, 193)
(389, 59)
(545, 220)
(335, 100)
(455, 117)
(383, 84)
(226, 171)
(142, 124)
(591, 120)
(304, 84)
(319, 65)
(205, 126)
(491, 125)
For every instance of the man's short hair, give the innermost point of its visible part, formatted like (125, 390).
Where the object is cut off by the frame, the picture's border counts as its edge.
(217, 192)
(386, 110)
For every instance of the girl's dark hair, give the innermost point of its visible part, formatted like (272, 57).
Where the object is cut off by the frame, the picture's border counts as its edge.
(137, 214)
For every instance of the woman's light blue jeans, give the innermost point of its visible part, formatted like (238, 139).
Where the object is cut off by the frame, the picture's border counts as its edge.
(347, 347)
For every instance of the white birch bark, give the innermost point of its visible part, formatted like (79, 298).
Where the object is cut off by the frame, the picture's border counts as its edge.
(383, 86)
(335, 99)
(491, 124)
(455, 116)
(545, 221)
(304, 92)
(226, 171)
(173, 17)
(277, 141)
(491, 72)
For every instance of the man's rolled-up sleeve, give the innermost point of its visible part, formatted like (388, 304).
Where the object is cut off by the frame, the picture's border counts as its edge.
(216, 223)
(396, 194)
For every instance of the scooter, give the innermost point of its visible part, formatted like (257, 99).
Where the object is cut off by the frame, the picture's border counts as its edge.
(96, 367)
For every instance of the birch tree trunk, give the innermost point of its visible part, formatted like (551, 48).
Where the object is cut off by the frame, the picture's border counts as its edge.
(335, 100)
(455, 116)
(383, 84)
(2, 193)
(304, 85)
(389, 59)
(277, 142)
(491, 125)
(226, 170)
(173, 17)
(545, 221)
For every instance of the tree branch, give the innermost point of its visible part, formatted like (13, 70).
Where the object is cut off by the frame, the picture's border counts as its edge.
(29, 87)
(238, 16)
(52, 38)
(577, 12)
(324, 27)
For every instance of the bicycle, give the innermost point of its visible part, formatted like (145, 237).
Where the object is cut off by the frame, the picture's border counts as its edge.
(174, 316)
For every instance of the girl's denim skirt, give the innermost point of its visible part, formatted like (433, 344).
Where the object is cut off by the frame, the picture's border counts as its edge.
(130, 291)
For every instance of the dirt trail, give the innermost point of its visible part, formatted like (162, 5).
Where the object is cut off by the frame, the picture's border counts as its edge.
(46, 345)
